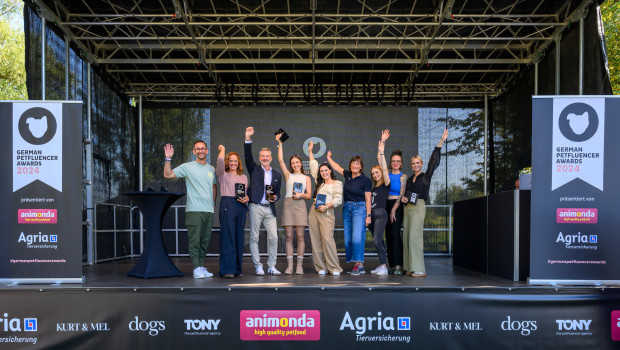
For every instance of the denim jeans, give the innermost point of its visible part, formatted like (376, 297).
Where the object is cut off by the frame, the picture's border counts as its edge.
(354, 217)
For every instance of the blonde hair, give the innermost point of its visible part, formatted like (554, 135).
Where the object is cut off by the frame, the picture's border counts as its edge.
(375, 183)
(417, 157)
(227, 159)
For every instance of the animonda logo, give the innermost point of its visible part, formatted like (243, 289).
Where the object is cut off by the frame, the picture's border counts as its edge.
(37, 126)
(578, 122)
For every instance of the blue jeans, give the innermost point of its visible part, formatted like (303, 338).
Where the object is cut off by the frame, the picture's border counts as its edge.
(354, 217)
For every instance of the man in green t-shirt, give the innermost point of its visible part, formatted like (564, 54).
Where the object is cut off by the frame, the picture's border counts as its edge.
(201, 192)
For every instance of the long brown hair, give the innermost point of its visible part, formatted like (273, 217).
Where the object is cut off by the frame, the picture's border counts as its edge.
(291, 167)
(227, 159)
(376, 184)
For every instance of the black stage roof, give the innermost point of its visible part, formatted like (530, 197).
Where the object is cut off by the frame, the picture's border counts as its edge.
(276, 51)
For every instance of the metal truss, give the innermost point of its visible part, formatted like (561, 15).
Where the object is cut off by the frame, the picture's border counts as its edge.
(284, 51)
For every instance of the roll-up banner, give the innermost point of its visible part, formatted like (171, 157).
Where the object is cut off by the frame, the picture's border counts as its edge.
(41, 190)
(575, 190)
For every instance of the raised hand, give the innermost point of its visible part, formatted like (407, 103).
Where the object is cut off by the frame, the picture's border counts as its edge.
(310, 145)
(385, 134)
(220, 148)
(278, 137)
(444, 136)
(168, 150)
(381, 146)
(249, 131)
(329, 154)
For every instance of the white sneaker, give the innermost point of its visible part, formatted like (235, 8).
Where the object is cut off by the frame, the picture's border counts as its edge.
(260, 271)
(273, 271)
(382, 271)
(199, 273)
(322, 273)
(206, 272)
(375, 270)
(335, 273)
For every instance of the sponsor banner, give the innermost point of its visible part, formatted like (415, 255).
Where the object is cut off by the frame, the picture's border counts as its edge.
(574, 212)
(41, 207)
(577, 216)
(280, 325)
(344, 318)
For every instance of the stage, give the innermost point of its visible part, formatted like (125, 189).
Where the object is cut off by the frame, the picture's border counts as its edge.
(440, 274)
(451, 308)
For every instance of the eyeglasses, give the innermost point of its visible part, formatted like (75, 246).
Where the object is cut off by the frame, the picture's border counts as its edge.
(200, 149)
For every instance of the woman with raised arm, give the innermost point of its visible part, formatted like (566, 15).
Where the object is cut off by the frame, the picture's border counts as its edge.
(233, 212)
(356, 210)
(321, 218)
(379, 216)
(294, 213)
(393, 236)
(417, 189)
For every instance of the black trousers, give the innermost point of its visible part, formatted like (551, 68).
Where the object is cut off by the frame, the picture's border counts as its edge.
(393, 235)
(232, 223)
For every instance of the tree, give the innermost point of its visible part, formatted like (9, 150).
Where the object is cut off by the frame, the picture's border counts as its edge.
(12, 64)
(611, 21)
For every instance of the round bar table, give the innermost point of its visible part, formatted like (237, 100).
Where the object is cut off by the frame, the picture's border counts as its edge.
(154, 261)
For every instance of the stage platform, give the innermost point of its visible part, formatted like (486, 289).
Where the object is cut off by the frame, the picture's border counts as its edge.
(440, 274)
(451, 308)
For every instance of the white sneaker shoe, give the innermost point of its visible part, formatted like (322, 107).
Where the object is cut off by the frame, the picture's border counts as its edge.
(382, 271)
(206, 272)
(273, 271)
(335, 273)
(375, 270)
(260, 271)
(322, 273)
(199, 273)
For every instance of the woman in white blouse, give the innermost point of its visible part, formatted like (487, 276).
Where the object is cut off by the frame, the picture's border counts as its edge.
(321, 218)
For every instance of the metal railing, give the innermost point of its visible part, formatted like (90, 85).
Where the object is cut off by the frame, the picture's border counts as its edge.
(177, 229)
(115, 231)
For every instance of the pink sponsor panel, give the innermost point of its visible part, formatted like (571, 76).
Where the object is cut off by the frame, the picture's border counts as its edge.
(277, 325)
(615, 325)
(577, 216)
(37, 216)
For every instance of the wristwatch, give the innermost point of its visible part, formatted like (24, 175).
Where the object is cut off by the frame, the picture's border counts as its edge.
(367, 215)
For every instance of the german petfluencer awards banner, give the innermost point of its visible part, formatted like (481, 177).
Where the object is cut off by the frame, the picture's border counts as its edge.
(575, 190)
(40, 185)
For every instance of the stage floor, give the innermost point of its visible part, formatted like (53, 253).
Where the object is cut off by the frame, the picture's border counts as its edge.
(440, 274)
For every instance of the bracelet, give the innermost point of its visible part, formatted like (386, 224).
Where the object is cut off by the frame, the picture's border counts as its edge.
(168, 159)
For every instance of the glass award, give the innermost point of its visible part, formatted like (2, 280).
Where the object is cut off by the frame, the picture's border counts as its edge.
(269, 193)
(320, 200)
(412, 197)
(284, 136)
(239, 190)
(298, 187)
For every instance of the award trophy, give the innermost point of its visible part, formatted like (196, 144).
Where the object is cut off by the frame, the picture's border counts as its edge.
(320, 200)
(413, 197)
(269, 194)
(240, 190)
(284, 136)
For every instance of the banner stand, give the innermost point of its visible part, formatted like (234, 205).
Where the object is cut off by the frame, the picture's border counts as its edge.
(575, 190)
(41, 189)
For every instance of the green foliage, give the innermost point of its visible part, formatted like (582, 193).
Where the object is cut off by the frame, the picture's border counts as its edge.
(610, 11)
(10, 8)
(12, 65)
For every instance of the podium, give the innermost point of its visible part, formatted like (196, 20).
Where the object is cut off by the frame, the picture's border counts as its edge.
(154, 261)
(492, 234)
